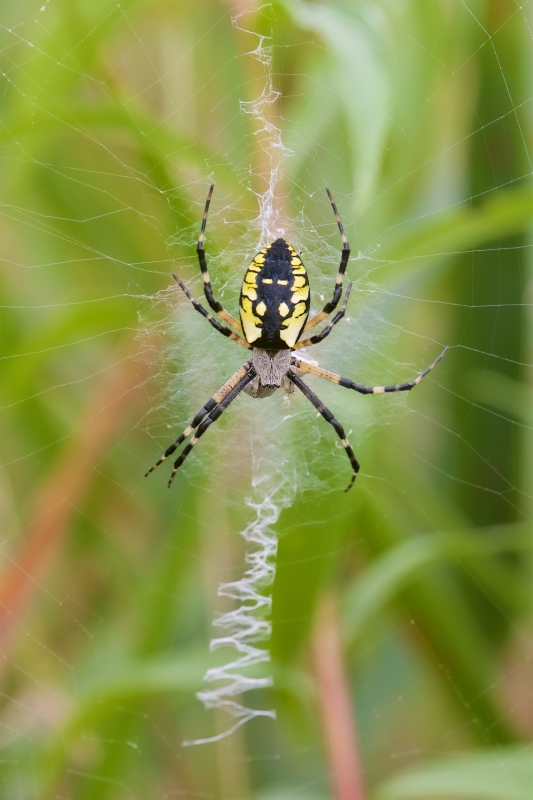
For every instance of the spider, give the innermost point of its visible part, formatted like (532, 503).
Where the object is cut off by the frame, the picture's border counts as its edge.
(274, 307)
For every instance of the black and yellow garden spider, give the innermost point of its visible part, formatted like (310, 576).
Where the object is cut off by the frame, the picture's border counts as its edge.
(274, 306)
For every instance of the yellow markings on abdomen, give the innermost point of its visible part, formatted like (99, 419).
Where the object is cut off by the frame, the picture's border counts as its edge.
(249, 286)
(293, 324)
(300, 286)
(293, 328)
(288, 297)
(300, 294)
(249, 321)
(299, 310)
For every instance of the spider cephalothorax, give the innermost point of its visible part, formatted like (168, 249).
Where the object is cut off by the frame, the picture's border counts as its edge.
(274, 308)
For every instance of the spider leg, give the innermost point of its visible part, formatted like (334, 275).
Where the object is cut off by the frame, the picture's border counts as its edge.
(215, 323)
(327, 330)
(359, 387)
(215, 305)
(212, 417)
(333, 303)
(209, 406)
(328, 416)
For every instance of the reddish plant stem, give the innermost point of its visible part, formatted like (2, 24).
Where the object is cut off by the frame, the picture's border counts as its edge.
(55, 502)
(335, 704)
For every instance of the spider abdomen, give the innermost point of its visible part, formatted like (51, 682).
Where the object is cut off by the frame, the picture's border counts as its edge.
(274, 301)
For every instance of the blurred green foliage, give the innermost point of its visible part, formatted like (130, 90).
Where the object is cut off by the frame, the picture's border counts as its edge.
(418, 115)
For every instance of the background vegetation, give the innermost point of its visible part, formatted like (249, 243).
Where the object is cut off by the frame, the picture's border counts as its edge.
(401, 612)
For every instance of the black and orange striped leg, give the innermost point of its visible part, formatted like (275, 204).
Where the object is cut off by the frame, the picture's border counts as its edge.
(345, 255)
(328, 416)
(327, 330)
(212, 417)
(211, 404)
(214, 322)
(214, 304)
(313, 369)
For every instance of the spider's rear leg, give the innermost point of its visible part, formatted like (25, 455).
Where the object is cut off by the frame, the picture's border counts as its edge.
(208, 289)
(327, 330)
(337, 292)
(214, 322)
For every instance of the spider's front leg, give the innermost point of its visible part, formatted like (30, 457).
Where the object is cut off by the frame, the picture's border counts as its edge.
(211, 410)
(328, 416)
(313, 369)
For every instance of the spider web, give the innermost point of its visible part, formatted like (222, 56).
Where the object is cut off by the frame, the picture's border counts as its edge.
(98, 211)
(276, 473)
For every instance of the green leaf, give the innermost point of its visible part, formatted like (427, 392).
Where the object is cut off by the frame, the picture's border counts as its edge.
(441, 608)
(402, 565)
(306, 555)
(501, 392)
(503, 773)
(361, 80)
(427, 241)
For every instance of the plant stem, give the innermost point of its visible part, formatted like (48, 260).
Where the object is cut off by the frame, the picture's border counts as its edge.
(335, 704)
(55, 503)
